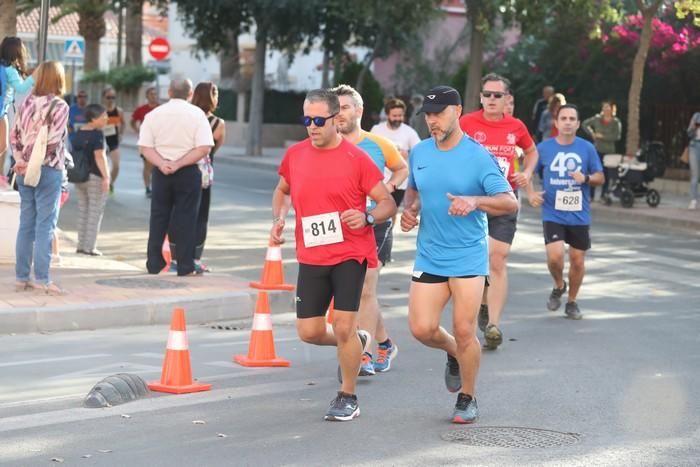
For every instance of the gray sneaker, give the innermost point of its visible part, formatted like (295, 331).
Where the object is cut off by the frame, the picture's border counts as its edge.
(493, 336)
(365, 340)
(483, 317)
(453, 380)
(554, 301)
(466, 409)
(343, 408)
(571, 311)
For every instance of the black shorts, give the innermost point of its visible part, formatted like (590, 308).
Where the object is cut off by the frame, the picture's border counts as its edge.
(398, 195)
(427, 278)
(502, 228)
(112, 142)
(384, 237)
(316, 285)
(576, 236)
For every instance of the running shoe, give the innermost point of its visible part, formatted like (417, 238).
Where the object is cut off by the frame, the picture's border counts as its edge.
(343, 408)
(571, 311)
(453, 380)
(554, 301)
(366, 365)
(365, 339)
(493, 337)
(466, 409)
(483, 317)
(385, 354)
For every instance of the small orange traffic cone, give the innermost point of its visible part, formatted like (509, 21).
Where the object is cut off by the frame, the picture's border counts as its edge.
(176, 377)
(330, 316)
(167, 256)
(273, 272)
(261, 350)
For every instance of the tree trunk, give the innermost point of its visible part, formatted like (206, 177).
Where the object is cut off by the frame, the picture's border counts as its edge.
(257, 98)
(325, 68)
(637, 79)
(92, 27)
(476, 59)
(337, 66)
(134, 32)
(92, 55)
(8, 18)
(363, 72)
(230, 65)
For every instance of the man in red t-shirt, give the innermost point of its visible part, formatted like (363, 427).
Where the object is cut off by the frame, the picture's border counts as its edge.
(329, 180)
(136, 121)
(502, 135)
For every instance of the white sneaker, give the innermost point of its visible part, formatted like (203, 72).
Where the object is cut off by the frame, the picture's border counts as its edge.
(693, 204)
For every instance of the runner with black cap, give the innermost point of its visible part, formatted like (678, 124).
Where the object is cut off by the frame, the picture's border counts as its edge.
(453, 183)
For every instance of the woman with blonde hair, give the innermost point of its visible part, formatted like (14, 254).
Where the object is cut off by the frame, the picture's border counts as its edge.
(39, 203)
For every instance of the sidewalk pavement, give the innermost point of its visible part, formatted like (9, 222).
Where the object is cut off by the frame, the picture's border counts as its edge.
(109, 293)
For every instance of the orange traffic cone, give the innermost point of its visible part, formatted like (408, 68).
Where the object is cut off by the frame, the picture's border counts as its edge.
(176, 377)
(261, 350)
(167, 256)
(273, 273)
(330, 316)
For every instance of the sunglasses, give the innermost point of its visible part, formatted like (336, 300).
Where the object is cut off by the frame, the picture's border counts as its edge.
(318, 121)
(496, 95)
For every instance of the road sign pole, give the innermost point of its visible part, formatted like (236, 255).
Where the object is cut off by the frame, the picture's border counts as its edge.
(72, 79)
(43, 30)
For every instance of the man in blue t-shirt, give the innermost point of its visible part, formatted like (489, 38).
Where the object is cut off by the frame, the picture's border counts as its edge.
(76, 114)
(453, 183)
(566, 163)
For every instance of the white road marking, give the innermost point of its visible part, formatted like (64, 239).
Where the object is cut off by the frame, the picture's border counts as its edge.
(55, 359)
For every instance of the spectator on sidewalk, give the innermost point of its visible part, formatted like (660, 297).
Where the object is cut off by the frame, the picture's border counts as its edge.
(538, 109)
(89, 142)
(39, 204)
(136, 120)
(605, 129)
(694, 158)
(417, 121)
(546, 126)
(173, 137)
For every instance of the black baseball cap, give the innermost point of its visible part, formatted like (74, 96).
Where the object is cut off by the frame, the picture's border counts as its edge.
(440, 97)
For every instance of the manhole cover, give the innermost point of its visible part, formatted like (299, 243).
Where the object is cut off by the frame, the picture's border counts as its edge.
(511, 437)
(140, 283)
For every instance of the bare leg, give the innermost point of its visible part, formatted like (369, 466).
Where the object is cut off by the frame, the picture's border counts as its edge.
(497, 291)
(555, 262)
(147, 169)
(576, 271)
(115, 157)
(369, 306)
(466, 295)
(425, 305)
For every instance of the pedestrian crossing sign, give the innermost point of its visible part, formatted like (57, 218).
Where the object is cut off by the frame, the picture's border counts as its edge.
(74, 49)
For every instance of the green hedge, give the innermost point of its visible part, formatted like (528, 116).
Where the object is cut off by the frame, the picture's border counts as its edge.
(125, 78)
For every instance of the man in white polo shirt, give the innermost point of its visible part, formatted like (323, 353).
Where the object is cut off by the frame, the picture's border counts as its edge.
(173, 137)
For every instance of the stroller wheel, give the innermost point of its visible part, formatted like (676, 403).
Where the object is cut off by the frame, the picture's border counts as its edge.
(653, 198)
(627, 198)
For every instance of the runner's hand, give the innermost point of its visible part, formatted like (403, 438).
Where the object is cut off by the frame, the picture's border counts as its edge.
(409, 218)
(536, 198)
(276, 232)
(461, 205)
(522, 179)
(353, 218)
(578, 177)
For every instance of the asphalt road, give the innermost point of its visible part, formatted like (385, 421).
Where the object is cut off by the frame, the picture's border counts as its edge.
(615, 388)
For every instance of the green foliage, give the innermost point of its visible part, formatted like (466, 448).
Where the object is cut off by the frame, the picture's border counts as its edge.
(125, 78)
(372, 94)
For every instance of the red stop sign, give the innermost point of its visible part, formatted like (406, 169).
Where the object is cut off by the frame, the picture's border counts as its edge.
(159, 48)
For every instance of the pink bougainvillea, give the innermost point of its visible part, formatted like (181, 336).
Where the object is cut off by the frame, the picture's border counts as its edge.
(667, 43)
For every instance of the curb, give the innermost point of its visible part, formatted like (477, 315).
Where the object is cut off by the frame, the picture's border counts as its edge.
(200, 309)
(630, 217)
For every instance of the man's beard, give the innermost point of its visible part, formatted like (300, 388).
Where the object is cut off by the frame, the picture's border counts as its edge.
(395, 123)
(348, 128)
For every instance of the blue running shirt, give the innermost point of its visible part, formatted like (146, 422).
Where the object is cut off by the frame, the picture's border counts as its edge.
(453, 245)
(555, 163)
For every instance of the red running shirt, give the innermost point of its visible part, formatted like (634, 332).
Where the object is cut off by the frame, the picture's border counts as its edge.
(331, 180)
(500, 138)
(141, 111)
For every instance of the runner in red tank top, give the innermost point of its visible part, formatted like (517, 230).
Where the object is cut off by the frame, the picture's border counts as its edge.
(501, 135)
(329, 180)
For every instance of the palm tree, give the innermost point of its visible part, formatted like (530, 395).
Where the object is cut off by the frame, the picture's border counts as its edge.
(134, 32)
(8, 18)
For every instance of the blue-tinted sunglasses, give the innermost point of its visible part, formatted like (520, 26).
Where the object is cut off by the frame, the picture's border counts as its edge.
(318, 121)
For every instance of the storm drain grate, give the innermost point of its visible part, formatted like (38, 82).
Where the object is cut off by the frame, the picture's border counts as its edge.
(511, 437)
(140, 283)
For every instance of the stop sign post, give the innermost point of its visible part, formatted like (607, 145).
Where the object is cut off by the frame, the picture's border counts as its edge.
(159, 48)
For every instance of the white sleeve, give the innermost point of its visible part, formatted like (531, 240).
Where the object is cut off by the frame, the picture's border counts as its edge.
(146, 138)
(413, 138)
(203, 135)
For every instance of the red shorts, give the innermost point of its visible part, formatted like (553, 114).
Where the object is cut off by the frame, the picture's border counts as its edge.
(64, 197)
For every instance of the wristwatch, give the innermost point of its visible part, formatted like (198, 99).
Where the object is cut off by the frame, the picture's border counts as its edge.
(587, 179)
(369, 218)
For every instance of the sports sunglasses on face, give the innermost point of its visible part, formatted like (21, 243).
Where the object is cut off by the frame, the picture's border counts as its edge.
(318, 121)
(496, 95)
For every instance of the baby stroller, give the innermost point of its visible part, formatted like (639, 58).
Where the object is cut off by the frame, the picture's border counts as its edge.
(629, 177)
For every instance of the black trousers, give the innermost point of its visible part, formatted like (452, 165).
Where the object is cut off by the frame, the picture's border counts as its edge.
(202, 222)
(174, 205)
